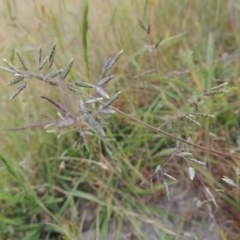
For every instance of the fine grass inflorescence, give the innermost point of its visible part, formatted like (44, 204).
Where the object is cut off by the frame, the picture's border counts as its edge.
(91, 112)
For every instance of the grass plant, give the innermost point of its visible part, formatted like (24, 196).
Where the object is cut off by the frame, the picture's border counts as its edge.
(139, 134)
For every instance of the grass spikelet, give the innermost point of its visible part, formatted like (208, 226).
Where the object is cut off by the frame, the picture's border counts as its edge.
(11, 65)
(223, 191)
(158, 168)
(53, 74)
(111, 100)
(214, 93)
(82, 135)
(93, 100)
(229, 181)
(206, 202)
(81, 105)
(111, 62)
(196, 161)
(15, 80)
(21, 60)
(205, 115)
(183, 154)
(39, 56)
(65, 123)
(144, 73)
(106, 111)
(8, 70)
(152, 48)
(219, 86)
(105, 80)
(105, 65)
(191, 172)
(52, 55)
(167, 190)
(95, 126)
(191, 120)
(52, 82)
(194, 105)
(175, 128)
(84, 84)
(17, 90)
(144, 26)
(43, 63)
(67, 69)
(212, 197)
(169, 176)
(101, 92)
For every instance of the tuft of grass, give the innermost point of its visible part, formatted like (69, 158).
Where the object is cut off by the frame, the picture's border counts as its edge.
(173, 74)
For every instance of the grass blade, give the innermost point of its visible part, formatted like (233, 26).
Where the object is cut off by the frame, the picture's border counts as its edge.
(85, 37)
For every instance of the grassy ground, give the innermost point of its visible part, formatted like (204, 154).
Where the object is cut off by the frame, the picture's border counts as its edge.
(51, 190)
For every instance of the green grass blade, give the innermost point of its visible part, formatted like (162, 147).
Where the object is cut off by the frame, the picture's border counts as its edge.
(85, 37)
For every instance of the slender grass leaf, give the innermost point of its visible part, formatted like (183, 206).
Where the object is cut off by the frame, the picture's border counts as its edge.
(11, 169)
(106, 111)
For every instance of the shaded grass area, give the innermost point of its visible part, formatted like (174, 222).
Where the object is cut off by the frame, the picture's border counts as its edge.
(50, 190)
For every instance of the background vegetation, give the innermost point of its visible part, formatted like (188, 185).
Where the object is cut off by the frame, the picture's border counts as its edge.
(51, 190)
